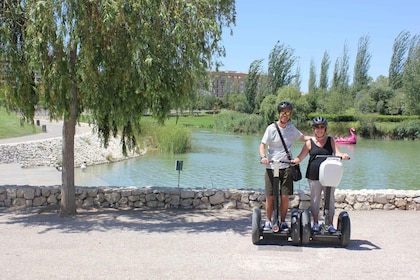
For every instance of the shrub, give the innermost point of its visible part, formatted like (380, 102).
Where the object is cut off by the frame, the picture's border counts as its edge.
(170, 138)
(240, 123)
(408, 129)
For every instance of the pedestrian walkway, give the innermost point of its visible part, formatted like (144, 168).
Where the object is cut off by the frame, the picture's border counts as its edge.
(198, 244)
(13, 174)
(53, 129)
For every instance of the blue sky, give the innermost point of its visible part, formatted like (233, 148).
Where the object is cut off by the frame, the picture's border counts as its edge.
(311, 27)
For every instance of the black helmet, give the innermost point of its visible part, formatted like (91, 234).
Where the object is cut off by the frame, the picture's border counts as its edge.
(284, 105)
(319, 120)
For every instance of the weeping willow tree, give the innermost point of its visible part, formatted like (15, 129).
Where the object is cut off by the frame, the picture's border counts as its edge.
(114, 59)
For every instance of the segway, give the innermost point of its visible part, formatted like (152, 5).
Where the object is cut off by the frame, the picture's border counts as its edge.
(300, 224)
(330, 174)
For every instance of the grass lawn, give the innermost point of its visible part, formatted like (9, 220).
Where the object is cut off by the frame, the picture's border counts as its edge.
(10, 126)
(200, 121)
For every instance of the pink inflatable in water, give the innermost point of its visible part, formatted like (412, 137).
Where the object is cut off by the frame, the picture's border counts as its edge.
(347, 140)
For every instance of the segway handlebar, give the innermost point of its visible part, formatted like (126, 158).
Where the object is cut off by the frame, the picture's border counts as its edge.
(329, 156)
(280, 161)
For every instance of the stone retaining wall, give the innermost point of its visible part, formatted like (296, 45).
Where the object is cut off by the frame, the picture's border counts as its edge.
(87, 148)
(155, 197)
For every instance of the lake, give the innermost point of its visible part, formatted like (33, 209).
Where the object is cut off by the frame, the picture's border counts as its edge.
(232, 162)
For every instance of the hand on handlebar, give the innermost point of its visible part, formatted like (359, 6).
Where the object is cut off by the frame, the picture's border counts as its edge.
(345, 157)
(264, 160)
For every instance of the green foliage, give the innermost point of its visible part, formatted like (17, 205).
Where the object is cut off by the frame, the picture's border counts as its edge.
(280, 64)
(203, 120)
(312, 78)
(341, 129)
(334, 117)
(239, 123)
(251, 85)
(361, 67)
(268, 109)
(239, 103)
(411, 79)
(396, 67)
(340, 81)
(387, 118)
(301, 106)
(169, 138)
(12, 126)
(105, 58)
(113, 59)
(325, 65)
(204, 102)
(408, 129)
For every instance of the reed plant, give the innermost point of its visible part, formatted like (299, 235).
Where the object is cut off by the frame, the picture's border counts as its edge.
(167, 138)
(240, 123)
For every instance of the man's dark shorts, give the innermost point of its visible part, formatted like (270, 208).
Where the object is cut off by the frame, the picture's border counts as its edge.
(285, 180)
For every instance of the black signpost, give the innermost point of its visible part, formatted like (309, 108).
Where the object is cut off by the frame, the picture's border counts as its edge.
(178, 166)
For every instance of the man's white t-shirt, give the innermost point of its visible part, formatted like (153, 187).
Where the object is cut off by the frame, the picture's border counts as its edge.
(272, 139)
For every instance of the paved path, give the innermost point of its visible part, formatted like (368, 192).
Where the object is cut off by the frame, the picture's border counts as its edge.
(185, 244)
(53, 129)
(13, 174)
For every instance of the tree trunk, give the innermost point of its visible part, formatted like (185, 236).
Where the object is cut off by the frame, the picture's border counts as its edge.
(68, 197)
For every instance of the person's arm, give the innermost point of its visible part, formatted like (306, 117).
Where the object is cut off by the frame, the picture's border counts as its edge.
(263, 157)
(337, 151)
(303, 153)
(305, 138)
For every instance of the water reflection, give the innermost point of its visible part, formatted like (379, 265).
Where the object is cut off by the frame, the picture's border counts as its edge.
(232, 161)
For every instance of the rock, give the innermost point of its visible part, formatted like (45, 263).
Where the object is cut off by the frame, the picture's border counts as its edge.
(217, 198)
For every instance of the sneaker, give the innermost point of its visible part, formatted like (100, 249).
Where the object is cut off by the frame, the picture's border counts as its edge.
(315, 227)
(284, 226)
(267, 225)
(331, 229)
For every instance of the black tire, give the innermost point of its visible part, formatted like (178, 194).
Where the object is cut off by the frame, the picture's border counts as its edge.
(344, 227)
(305, 221)
(256, 226)
(295, 227)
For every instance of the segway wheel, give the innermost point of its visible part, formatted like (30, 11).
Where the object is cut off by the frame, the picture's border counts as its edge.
(256, 226)
(305, 221)
(295, 227)
(345, 228)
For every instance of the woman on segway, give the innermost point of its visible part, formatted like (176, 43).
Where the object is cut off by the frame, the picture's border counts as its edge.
(319, 144)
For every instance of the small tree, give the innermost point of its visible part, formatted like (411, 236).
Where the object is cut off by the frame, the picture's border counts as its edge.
(251, 84)
(115, 59)
(411, 78)
(325, 65)
(280, 64)
(312, 78)
(399, 55)
(361, 67)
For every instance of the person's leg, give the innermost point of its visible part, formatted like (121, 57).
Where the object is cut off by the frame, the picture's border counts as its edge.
(331, 209)
(316, 190)
(286, 189)
(269, 207)
(283, 207)
(269, 201)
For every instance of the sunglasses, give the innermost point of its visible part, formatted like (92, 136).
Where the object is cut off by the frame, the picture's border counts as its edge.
(288, 113)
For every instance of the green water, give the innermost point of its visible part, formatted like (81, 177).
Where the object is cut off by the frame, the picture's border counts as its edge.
(232, 161)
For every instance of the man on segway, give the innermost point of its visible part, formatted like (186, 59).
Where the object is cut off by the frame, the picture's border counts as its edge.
(272, 142)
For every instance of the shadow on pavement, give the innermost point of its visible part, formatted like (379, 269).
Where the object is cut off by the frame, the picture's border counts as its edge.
(355, 244)
(163, 220)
